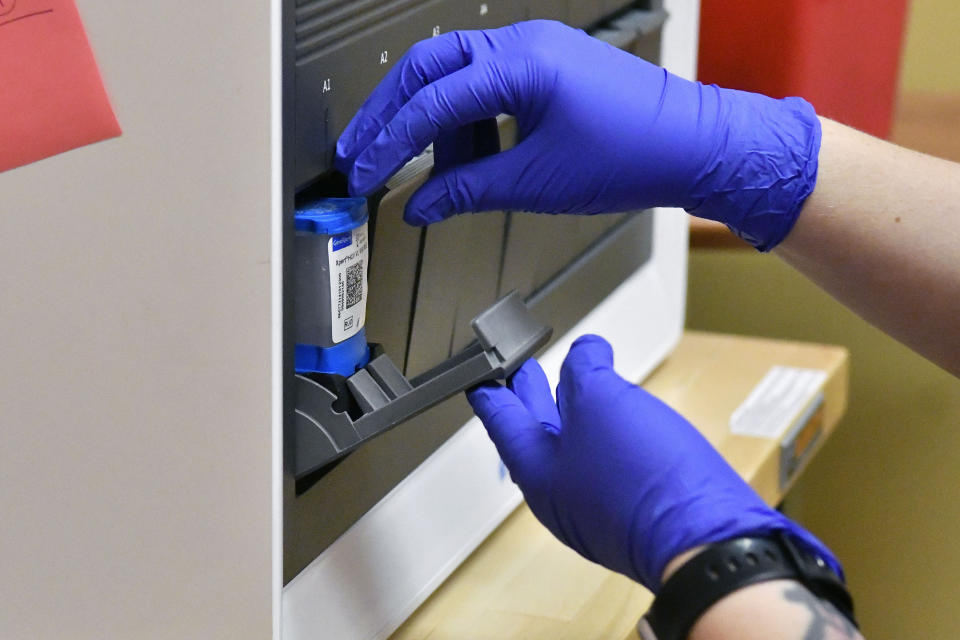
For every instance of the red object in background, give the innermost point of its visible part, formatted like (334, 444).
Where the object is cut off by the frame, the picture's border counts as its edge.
(51, 96)
(841, 55)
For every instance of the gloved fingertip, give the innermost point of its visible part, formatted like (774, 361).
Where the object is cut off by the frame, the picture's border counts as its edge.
(588, 366)
(359, 181)
(481, 392)
(428, 205)
(416, 219)
(352, 141)
(531, 386)
(530, 369)
(590, 351)
(588, 339)
(487, 398)
(530, 383)
(341, 164)
(353, 181)
(342, 152)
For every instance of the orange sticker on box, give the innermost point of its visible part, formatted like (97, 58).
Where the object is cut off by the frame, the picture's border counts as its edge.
(52, 98)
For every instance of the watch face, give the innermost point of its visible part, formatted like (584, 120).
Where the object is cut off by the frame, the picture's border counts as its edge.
(643, 628)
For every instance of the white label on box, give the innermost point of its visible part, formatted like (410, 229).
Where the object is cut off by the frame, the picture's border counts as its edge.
(348, 283)
(777, 402)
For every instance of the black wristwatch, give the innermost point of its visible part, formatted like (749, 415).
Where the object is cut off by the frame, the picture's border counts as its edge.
(723, 568)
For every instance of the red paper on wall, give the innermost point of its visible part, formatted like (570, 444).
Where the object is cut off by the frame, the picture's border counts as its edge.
(51, 96)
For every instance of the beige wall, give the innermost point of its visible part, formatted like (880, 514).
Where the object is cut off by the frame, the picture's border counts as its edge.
(932, 55)
(885, 491)
(135, 325)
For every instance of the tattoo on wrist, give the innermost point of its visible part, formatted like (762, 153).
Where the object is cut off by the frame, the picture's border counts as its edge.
(826, 622)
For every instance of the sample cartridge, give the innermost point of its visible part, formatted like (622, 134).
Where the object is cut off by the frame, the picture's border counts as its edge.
(331, 251)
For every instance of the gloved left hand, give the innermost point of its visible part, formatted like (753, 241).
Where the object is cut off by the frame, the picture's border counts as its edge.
(616, 474)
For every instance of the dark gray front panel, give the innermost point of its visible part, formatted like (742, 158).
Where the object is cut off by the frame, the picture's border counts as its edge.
(646, 28)
(343, 49)
(323, 513)
(427, 285)
(548, 9)
(482, 257)
(648, 47)
(586, 281)
(339, 65)
(583, 14)
(539, 246)
(458, 279)
(394, 260)
(315, 519)
(490, 15)
(612, 7)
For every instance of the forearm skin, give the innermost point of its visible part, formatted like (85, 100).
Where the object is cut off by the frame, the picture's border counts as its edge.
(881, 233)
(778, 610)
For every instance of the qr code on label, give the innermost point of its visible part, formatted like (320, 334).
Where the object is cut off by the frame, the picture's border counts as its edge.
(354, 285)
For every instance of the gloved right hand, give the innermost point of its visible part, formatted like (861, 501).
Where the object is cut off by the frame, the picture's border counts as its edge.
(616, 474)
(600, 131)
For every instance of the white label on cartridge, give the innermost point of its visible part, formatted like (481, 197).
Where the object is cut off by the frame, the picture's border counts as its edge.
(775, 403)
(349, 264)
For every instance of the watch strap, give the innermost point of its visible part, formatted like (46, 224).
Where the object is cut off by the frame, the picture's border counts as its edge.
(729, 566)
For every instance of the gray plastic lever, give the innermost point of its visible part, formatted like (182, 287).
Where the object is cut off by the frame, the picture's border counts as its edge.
(507, 335)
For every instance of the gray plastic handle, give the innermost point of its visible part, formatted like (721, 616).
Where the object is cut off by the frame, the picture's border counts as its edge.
(507, 335)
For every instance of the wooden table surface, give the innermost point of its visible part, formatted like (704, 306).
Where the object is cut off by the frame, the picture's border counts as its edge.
(522, 583)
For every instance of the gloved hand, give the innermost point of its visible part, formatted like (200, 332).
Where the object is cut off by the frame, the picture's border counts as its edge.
(616, 474)
(600, 131)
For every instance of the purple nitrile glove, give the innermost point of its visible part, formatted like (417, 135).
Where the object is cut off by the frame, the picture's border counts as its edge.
(601, 131)
(616, 474)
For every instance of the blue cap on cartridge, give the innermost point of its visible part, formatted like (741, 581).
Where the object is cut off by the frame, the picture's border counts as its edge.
(329, 218)
(343, 359)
